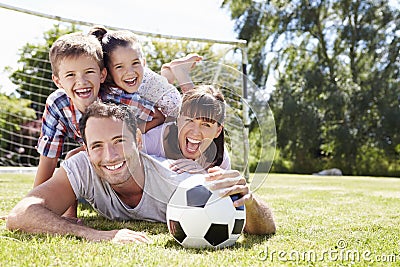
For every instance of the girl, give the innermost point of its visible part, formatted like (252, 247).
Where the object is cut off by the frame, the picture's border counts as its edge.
(129, 81)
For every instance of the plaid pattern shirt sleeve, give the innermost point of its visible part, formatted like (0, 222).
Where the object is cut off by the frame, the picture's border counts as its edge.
(143, 107)
(60, 120)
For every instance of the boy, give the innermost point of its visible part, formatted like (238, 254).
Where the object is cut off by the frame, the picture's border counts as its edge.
(78, 70)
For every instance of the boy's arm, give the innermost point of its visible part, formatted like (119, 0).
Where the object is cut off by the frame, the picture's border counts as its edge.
(51, 140)
(158, 118)
(45, 169)
(40, 212)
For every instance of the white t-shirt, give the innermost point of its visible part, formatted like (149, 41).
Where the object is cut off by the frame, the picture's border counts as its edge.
(160, 183)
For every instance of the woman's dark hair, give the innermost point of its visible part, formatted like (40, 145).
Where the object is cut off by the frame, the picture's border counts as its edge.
(205, 102)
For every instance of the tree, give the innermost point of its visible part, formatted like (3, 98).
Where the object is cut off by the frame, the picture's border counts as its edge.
(34, 74)
(337, 66)
(160, 51)
(15, 137)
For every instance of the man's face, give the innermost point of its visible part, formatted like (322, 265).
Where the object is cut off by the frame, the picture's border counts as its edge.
(112, 149)
(80, 77)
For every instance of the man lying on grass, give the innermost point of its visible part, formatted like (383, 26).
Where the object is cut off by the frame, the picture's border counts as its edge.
(120, 183)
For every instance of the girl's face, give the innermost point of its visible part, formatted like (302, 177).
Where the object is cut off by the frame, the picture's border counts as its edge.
(195, 135)
(126, 67)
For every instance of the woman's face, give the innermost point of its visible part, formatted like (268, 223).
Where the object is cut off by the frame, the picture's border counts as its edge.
(195, 135)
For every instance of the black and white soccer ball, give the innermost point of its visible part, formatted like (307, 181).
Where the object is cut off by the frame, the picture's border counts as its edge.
(198, 217)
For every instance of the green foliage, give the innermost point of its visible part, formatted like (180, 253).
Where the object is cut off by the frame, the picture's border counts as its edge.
(33, 76)
(337, 68)
(262, 144)
(373, 161)
(14, 114)
(280, 164)
(158, 52)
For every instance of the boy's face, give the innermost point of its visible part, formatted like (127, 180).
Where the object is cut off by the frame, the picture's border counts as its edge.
(126, 68)
(80, 77)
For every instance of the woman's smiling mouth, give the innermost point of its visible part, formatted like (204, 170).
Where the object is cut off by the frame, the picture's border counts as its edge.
(192, 145)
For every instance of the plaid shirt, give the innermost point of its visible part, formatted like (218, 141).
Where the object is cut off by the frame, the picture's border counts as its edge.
(143, 107)
(60, 119)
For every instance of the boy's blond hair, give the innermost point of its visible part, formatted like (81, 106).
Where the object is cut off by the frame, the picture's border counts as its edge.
(73, 45)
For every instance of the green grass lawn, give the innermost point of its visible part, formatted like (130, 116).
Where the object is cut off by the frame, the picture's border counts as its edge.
(321, 221)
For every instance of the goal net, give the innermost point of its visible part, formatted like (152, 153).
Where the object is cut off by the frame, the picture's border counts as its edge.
(224, 66)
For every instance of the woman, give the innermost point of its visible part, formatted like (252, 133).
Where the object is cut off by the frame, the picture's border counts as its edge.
(196, 135)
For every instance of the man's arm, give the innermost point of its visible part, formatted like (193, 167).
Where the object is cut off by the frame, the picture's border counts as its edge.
(259, 218)
(40, 212)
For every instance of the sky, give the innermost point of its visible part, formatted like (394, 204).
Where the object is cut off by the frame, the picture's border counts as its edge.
(189, 18)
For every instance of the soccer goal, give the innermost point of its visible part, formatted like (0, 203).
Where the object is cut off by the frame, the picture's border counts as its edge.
(224, 66)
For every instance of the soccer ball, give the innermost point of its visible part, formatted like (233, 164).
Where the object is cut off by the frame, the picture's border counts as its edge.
(198, 217)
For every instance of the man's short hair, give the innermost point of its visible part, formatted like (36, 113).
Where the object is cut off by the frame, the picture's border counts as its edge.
(99, 109)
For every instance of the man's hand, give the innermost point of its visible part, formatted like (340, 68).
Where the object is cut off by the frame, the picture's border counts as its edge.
(122, 236)
(125, 236)
(259, 218)
(229, 182)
